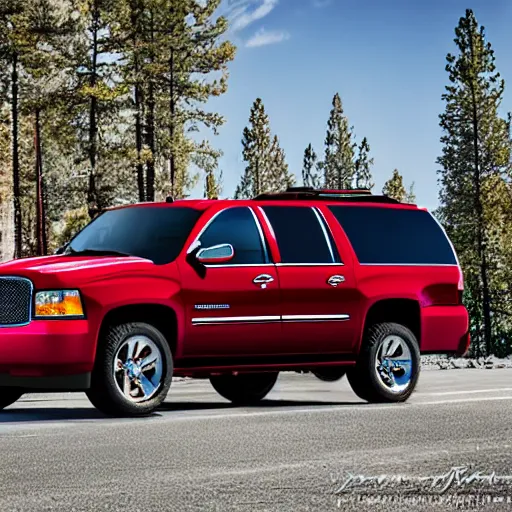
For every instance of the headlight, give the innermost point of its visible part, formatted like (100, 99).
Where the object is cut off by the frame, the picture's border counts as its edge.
(58, 304)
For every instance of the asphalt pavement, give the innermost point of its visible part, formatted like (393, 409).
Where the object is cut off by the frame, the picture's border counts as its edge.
(311, 446)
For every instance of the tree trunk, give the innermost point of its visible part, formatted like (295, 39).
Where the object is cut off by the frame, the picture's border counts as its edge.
(482, 256)
(15, 161)
(40, 206)
(138, 104)
(92, 196)
(150, 124)
(172, 111)
(138, 141)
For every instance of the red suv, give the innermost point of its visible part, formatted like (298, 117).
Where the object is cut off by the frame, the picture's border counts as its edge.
(321, 281)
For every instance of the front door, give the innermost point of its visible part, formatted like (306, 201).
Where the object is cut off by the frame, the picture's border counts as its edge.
(233, 308)
(318, 292)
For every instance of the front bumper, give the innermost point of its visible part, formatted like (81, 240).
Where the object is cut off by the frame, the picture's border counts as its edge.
(47, 354)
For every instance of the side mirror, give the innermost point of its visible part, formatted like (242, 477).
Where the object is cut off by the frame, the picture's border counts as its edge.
(216, 254)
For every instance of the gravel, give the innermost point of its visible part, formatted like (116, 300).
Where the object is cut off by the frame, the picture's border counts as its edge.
(443, 362)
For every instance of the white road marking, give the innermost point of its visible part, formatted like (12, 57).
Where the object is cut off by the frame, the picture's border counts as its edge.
(314, 410)
(169, 416)
(210, 391)
(470, 392)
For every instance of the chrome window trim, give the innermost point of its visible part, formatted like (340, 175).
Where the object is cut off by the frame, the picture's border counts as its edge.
(310, 264)
(447, 238)
(227, 265)
(324, 231)
(323, 228)
(235, 265)
(206, 226)
(457, 264)
(271, 229)
(409, 265)
(262, 236)
(327, 227)
(31, 301)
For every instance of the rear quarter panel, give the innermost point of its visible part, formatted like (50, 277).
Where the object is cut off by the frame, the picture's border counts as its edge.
(434, 287)
(443, 322)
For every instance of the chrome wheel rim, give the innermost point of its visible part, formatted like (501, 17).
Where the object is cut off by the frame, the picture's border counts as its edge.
(138, 369)
(393, 364)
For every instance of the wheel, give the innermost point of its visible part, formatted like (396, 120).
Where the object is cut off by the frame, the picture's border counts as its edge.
(133, 370)
(330, 374)
(388, 366)
(8, 396)
(245, 388)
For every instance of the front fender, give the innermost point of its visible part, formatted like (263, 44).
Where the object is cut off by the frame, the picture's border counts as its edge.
(101, 298)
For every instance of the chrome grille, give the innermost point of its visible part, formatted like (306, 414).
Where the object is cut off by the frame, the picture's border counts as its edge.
(15, 301)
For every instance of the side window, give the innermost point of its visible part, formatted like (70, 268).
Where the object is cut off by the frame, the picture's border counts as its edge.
(236, 226)
(302, 237)
(394, 236)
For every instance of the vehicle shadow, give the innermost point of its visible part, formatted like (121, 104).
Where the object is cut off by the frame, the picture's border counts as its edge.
(264, 404)
(41, 414)
(50, 414)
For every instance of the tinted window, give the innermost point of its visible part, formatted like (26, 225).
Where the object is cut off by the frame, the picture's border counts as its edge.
(394, 236)
(155, 233)
(299, 234)
(236, 226)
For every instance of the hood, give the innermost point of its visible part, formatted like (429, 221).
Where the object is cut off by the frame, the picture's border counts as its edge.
(64, 270)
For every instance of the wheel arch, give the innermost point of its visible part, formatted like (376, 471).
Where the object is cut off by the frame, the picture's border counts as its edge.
(398, 310)
(160, 316)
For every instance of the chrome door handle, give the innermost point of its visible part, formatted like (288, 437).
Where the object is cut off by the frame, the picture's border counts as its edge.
(335, 280)
(263, 280)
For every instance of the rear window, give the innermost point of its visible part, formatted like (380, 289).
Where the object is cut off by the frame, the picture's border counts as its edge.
(394, 236)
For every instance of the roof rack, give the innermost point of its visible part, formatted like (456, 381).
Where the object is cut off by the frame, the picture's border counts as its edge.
(309, 193)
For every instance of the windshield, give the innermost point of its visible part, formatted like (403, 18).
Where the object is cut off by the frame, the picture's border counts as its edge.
(155, 233)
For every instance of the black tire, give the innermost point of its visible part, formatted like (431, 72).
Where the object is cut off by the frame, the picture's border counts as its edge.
(330, 374)
(364, 377)
(9, 395)
(244, 388)
(105, 392)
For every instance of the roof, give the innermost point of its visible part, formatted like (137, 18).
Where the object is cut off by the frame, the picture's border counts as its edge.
(299, 194)
(311, 194)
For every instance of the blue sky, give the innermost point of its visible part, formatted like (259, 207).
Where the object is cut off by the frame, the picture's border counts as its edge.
(386, 58)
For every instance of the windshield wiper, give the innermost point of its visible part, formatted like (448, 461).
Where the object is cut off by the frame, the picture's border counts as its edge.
(94, 252)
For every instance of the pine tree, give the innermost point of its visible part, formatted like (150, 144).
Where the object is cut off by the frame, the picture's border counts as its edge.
(34, 45)
(339, 168)
(213, 185)
(49, 25)
(6, 203)
(207, 159)
(256, 144)
(394, 187)
(11, 45)
(362, 168)
(129, 32)
(280, 175)
(311, 176)
(410, 196)
(115, 98)
(475, 179)
(193, 51)
(98, 87)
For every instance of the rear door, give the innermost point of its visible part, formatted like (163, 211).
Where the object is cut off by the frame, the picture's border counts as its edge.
(319, 299)
(233, 308)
